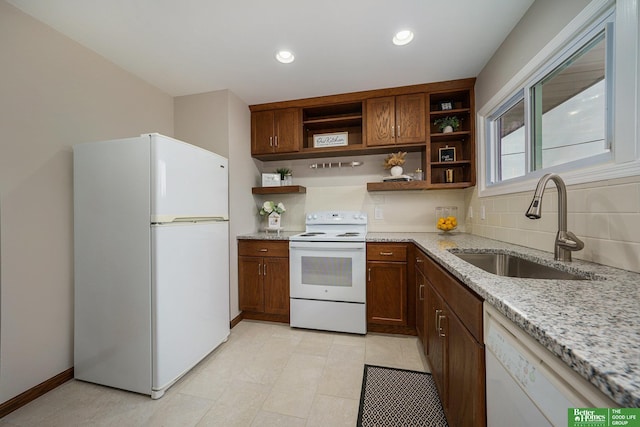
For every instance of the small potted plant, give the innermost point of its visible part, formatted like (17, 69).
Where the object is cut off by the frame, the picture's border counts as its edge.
(285, 176)
(394, 162)
(447, 124)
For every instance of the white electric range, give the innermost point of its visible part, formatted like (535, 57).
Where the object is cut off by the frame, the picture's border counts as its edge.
(327, 272)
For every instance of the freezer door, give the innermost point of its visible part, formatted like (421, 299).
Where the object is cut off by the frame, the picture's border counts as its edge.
(187, 181)
(190, 297)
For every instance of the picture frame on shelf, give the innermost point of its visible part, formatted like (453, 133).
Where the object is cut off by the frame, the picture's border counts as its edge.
(446, 105)
(336, 139)
(447, 154)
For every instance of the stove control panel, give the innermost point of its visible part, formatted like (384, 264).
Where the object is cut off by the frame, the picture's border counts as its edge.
(336, 217)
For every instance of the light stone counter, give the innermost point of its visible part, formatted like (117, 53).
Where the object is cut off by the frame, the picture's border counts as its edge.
(591, 325)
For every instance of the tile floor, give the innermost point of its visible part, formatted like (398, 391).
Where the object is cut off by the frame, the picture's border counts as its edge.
(266, 374)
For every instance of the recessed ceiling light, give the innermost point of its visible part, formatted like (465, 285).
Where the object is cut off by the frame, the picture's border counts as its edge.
(403, 37)
(285, 56)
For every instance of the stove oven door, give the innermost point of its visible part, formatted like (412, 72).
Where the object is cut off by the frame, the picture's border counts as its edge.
(330, 271)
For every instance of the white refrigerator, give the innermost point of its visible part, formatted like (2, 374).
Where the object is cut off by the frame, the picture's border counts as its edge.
(151, 243)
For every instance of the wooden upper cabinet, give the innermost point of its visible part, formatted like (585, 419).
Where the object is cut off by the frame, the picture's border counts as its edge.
(381, 121)
(410, 119)
(396, 120)
(276, 131)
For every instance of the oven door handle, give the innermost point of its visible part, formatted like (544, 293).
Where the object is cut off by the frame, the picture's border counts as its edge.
(328, 246)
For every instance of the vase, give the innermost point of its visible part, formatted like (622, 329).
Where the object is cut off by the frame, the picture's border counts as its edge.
(447, 218)
(396, 171)
(274, 221)
(447, 129)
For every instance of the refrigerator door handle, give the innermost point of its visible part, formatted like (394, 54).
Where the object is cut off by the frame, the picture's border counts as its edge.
(168, 219)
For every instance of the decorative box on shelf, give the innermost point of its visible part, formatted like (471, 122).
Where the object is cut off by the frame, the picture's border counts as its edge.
(336, 139)
(271, 180)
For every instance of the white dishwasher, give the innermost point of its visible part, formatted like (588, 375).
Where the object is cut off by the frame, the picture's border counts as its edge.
(526, 384)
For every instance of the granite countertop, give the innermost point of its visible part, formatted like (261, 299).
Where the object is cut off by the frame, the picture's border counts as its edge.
(591, 325)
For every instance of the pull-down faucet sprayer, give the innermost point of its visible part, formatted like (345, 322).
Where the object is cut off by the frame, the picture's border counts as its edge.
(566, 241)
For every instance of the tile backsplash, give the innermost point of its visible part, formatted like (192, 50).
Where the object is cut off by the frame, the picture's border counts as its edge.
(605, 215)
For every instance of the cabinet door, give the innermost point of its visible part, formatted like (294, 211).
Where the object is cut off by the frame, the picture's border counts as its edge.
(250, 284)
(410, 119)
(420, 307)
(466, 385)
(262, 132)
(387, 293)
(437, 337)
(288, 130)
(381, 121)
(276, 285)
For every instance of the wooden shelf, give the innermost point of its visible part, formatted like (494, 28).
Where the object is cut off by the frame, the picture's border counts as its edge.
(449, 112)
(279, 190)
(415, 185)
(449, 135)
(395, 186)
(450, 164)
(454, 185)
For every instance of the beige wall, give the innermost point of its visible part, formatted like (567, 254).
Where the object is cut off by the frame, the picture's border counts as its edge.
(221, 122)
(53, 94)
(604, 214)
(346, 189)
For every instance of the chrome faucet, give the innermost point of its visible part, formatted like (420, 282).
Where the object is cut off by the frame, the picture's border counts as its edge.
(566, 241)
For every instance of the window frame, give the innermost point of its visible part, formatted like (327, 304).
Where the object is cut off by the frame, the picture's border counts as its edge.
(621, 130)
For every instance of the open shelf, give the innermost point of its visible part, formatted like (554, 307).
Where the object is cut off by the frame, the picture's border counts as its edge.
(279, 190)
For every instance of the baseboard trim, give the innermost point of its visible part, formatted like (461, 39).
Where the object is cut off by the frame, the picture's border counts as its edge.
(236, 320)
(33, 393)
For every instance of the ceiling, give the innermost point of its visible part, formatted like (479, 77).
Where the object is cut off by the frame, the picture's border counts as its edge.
(185, 47)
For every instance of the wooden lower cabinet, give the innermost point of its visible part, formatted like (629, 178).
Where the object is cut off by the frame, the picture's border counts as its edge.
(421, 297)
(454, 346)
(263, 281)
(466, 376)
(387, 297)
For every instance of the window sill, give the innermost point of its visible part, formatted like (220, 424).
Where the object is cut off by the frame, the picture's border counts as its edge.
(587, 175)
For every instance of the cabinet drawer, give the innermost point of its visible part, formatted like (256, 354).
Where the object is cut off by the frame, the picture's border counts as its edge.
(386, 252)
(263, 248)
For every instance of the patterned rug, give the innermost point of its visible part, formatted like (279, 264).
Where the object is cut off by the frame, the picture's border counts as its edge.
(397, 397)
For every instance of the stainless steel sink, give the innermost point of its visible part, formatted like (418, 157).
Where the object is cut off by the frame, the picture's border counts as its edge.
(503, 264)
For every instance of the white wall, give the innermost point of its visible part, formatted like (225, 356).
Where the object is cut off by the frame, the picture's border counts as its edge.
(604, 214)
(53, 94)
(221, 122)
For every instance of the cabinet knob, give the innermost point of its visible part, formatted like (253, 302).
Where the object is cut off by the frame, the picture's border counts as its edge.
(386, 253)
(263, 250)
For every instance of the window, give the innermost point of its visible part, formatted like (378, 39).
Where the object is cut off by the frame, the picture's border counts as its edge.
(561, 117)
(568, 108)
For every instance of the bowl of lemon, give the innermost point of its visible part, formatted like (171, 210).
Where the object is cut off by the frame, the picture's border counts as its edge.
(447, 218)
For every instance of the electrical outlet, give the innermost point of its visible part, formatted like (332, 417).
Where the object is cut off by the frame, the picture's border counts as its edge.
(470, 214)
(483, 213)
(378, 213)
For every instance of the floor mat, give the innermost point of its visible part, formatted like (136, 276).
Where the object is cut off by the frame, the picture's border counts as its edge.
(398, 397)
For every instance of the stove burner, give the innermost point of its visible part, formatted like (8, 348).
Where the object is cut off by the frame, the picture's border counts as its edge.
(312, 233)
(348, 234)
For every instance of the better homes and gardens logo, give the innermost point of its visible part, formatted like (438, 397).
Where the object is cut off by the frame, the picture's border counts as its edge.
(604, 417)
